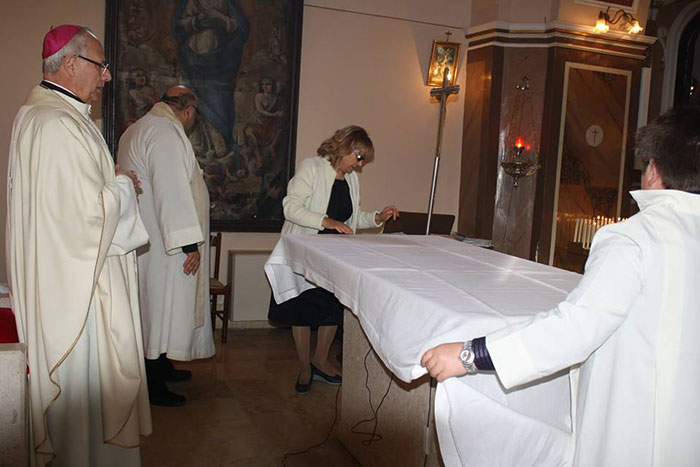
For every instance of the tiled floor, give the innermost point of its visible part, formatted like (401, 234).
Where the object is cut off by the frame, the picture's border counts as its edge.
(242, 410)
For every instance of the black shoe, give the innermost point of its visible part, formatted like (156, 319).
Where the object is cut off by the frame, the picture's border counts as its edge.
(167, 398)
(174, 376)
(170, 374)
(321, 376)
(302, 388)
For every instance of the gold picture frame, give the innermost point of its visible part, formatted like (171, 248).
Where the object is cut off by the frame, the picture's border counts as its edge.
(444, 56)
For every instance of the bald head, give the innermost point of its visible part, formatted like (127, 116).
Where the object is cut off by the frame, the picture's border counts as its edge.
(179, 97)
(184, 104)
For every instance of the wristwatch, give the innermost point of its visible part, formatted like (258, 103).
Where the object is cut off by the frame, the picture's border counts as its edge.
(466, 356)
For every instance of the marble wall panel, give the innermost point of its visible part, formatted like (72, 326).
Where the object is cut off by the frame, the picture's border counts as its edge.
(480, 141)
(521, 116)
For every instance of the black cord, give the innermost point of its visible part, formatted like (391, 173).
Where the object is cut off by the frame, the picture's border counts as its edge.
(328, 436)
(431, 384)
(373, 435)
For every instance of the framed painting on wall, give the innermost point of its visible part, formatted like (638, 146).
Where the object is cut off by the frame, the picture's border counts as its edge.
(241, 59)
(444, 58)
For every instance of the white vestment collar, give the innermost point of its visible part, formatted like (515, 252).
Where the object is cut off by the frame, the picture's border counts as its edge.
(82, 107)
(647, 198)
(161, 109)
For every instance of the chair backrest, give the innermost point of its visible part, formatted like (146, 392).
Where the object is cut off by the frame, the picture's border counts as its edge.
(215, 243)
(414, 223)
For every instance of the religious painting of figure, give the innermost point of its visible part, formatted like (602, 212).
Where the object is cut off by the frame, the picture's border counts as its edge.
(444, 60)
(241, 59)
(628, 5)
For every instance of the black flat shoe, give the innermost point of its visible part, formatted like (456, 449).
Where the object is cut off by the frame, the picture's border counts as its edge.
(328, 379)
(167, 399)
(175, 376)
(170, 374)
(302, 388)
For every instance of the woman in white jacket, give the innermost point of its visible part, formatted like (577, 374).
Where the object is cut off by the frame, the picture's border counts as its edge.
(324, 197)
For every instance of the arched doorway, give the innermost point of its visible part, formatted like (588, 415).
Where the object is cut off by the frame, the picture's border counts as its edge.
(688, 68)
(678, 34)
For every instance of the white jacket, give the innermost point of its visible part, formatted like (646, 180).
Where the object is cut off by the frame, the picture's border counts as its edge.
(634, 320)
(308, 194)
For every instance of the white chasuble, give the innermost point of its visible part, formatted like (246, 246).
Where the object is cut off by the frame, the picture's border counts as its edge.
(72, 227)
(174, 207)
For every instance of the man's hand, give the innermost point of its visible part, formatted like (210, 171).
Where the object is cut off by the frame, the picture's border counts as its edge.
(191, 264)
(389, 212)
(132, 175)
(443, 361)
(332, 224)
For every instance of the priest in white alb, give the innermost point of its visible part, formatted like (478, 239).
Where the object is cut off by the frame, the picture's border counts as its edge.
(72, 227)
(174, 267)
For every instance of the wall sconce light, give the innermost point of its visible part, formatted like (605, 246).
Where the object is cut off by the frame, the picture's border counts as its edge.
(602, 24)
(517, 164)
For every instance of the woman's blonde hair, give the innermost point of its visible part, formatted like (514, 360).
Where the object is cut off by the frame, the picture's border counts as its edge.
(350, 139)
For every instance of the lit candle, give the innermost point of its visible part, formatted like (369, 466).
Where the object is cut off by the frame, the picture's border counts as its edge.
(519, 142)
(587, 234)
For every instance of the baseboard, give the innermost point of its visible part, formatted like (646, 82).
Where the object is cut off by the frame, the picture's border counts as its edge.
(262, 324)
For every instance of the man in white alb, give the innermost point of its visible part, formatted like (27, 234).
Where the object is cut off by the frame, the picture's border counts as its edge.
(174, 268)
(632, 322)
(72, 227)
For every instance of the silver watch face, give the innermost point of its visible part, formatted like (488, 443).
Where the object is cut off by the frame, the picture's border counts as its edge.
(467, 356)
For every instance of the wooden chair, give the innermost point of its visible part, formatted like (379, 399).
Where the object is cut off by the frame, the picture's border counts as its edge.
(413, 223)
(216, 288)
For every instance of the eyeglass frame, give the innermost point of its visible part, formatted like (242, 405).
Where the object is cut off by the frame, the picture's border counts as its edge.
(174, 100)
(360, 157)
(103, 66)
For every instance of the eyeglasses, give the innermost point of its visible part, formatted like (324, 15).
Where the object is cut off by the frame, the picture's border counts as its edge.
(103, 66)
(360, 157)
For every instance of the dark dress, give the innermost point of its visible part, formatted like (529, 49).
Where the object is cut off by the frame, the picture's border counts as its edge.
(317, 307)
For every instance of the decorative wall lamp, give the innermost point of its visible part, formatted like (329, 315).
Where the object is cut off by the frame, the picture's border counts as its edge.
(604, 21)
(518, 164)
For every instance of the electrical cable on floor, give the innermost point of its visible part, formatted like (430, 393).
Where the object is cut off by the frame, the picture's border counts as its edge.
(328, 436)
(373, 435)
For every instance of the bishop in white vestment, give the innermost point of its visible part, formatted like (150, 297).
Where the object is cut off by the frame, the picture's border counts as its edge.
(174, 206)
(72, 227)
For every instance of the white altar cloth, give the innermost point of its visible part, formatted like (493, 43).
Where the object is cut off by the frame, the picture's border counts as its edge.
(411, 293)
